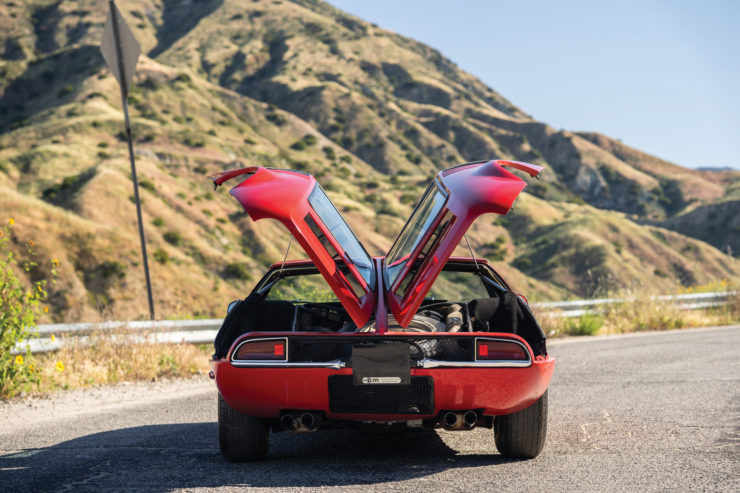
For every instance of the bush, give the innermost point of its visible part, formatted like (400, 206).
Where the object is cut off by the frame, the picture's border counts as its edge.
(147, 185)
(237, 271)
(523, 262)
(309, 139)
(112, 268)
(158, 222)
(161, 256)
(298, 145)
(587, 324)
(20, 309)
(173, 238)
(329, 153)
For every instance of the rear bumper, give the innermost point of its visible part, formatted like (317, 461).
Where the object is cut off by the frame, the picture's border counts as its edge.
(265, 392)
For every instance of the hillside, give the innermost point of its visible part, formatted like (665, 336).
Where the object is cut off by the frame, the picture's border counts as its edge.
(299, 84)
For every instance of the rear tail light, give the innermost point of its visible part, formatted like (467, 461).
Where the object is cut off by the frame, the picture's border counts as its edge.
(491, 350)
(262, 350)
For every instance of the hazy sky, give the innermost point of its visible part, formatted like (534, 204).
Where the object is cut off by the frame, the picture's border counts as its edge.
(662, 76)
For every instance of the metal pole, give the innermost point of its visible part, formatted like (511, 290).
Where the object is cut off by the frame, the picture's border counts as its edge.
(124, 100)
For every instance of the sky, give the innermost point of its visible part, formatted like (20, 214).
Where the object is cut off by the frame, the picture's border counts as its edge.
(661, 76)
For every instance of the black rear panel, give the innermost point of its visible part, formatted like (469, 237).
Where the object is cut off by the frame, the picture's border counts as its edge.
(320, 349)
(414, 399)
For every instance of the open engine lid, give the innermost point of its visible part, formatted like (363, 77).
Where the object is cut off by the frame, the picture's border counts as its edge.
(296, 200)
(456, 197)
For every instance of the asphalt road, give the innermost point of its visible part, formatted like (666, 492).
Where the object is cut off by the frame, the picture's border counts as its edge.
(649, 412)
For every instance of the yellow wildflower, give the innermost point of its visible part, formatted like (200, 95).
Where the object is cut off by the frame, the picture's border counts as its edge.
(55, 262)
(53, 338)
(11, 221)
(19, 360)
(31, 243)
(32, 367)
(46, 309)
(60, 366)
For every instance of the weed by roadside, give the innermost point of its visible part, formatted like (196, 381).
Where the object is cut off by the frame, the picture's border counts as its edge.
(642, 313)
(106, 360)
(21, 305)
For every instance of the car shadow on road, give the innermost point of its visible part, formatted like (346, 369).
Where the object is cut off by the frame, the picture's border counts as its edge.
(165, 457)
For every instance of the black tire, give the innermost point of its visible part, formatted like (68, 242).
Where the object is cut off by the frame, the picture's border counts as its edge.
(521, 435)
(241, 437)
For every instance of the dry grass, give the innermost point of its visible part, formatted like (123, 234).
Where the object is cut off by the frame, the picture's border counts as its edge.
(107, 361)
(642, 314)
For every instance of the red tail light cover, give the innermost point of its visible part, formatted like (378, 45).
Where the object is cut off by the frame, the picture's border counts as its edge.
(262, 350)
(499, 350)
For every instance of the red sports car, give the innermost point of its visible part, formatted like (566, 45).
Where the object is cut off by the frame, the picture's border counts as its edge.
(412, 339)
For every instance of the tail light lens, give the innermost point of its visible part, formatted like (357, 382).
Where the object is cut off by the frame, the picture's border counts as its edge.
(490, 350)
(263, 350)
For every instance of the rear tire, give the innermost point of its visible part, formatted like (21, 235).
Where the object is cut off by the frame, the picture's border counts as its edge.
(521, 435)
(241, 437)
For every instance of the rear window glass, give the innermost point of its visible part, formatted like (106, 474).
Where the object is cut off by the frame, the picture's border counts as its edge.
(341, 232)
(414, 230)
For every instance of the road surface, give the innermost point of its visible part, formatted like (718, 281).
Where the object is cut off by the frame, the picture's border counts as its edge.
(644, 412)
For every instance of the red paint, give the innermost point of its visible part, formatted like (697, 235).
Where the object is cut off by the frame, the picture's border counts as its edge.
(473, 190)
(283, 195)
(265, 392)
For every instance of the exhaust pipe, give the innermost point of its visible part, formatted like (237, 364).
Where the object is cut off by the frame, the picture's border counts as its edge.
(288, 422)
(452, 421)
(470, 419)
(300, 423)
(459, 420)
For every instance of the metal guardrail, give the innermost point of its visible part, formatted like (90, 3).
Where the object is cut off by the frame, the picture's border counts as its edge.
(692, 301)
(54, 336)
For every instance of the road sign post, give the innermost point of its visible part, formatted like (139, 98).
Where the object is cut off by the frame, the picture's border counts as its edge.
(121, 52)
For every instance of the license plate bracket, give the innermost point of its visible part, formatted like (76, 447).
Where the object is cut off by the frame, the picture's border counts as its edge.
(381, 364)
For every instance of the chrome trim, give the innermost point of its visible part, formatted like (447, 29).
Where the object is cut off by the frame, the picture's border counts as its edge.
(260, 339)
(433, 363)
(502, 339)
(335, 365)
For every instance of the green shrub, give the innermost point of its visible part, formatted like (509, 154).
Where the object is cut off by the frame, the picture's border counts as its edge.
(523, 262)
(173, 238)
(587, 324)
(236, 271)
(158, 222)
(147, 185)
(161, 256)
(298, 145)
(20, 308)
(309, 139)
(111, 268)
(184, 78)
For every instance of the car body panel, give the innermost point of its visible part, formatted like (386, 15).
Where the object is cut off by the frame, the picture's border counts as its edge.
(284, 195)
(267, 391)
(459, 196)
(470, 190)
